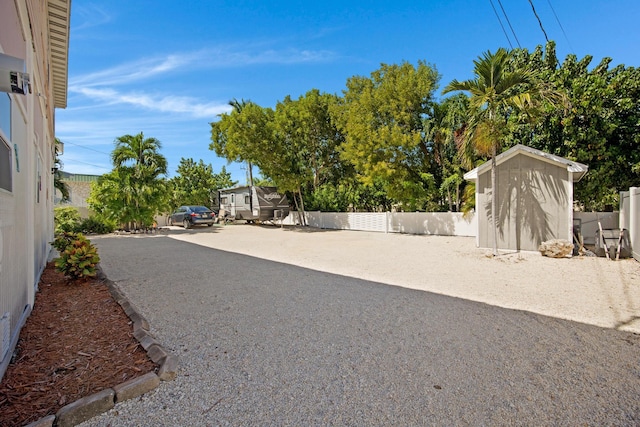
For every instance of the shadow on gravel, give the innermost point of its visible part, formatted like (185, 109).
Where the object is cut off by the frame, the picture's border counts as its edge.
(289, 345)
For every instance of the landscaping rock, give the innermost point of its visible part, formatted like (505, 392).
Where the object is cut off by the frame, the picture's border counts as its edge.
(85, 408)
(136, 387)
(556, 248)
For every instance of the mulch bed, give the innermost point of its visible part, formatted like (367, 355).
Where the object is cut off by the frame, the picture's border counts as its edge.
(77, 341)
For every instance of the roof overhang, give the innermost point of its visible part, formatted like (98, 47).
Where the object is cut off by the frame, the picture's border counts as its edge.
(59, 12)
(578, 170)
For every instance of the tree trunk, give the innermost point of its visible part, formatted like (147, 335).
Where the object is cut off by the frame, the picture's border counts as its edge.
(250, 170)
(304, 219)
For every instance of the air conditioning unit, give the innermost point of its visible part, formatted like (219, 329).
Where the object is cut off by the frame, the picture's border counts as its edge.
(14, 81)
(13, 78)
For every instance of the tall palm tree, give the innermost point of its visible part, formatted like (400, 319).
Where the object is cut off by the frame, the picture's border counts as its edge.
(496, 91)
(137, 160)
(141, 154)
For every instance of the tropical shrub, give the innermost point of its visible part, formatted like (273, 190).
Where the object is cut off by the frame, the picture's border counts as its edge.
(66, 219)
(78, 259)
(95, 225)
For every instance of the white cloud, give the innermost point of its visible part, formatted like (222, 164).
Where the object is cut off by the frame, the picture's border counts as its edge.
(133, 71)
(163, 103)
(113, 86)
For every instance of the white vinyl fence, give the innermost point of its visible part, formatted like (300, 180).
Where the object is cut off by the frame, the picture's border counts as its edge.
(630, 217)
(433, 223)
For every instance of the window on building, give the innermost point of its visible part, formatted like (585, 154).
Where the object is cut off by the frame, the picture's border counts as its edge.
(5, 166)
(5, 115)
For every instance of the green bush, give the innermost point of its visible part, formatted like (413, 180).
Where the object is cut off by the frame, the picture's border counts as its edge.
(66, 219)
(65, 239)
(93, 225)
(78, 260)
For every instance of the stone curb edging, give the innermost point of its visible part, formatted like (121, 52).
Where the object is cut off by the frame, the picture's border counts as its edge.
(98, 403)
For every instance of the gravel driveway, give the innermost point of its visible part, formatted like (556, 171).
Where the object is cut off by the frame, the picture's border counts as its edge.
(262, 342)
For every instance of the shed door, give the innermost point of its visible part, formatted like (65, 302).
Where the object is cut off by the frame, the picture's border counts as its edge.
(232, 205)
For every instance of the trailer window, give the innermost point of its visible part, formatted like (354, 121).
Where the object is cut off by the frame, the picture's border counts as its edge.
(224, 200)
(247, 200)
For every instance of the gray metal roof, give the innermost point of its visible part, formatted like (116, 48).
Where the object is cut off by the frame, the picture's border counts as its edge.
(578, 169)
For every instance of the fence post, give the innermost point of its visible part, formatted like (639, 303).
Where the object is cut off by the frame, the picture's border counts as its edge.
(386, 222)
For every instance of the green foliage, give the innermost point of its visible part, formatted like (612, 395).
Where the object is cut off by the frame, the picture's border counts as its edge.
(95, 225)
(78, 259)
(387, 142)
(135, 190)
(196, 183)
(382, 118)
(64, 239)
(66, 219)
(599, 128)
(58, 183)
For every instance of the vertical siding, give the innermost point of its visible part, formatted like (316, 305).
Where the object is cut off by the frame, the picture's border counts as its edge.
(533, 204)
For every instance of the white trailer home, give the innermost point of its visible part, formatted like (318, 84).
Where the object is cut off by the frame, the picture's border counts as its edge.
(34, 45)
(252, 203)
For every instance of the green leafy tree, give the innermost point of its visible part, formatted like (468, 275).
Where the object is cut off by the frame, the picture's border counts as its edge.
(496, 91)
(382, 118)
(196, 183)
(598, 129)
(244, 134)
(305, 144)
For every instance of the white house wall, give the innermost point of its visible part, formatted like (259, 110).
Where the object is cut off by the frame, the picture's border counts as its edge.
(26, 212)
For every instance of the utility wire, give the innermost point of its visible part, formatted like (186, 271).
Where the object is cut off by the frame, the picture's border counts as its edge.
(509, 22)
(91, 164)
(87, 148)
(502, 26)
(558, 21)
(539, 21)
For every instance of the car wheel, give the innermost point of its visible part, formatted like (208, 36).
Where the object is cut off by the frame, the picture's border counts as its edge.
(209, 225)
(186, 224)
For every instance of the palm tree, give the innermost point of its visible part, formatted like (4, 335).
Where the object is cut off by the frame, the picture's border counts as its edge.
(496, 91)
(58, 183)
(137, 161)
(141, 155)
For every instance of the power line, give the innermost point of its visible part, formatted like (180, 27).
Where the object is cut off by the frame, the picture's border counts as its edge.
(90, 164)
(502, 26)
(509, 22)
(558, 21)
(539, 21)
(87, 148)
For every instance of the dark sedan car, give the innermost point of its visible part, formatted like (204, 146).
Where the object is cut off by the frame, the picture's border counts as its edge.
(188, 216)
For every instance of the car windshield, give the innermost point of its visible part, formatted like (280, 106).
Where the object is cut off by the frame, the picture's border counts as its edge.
(200, 209)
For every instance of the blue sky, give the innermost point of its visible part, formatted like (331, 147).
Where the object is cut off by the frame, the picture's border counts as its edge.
(168, 68)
